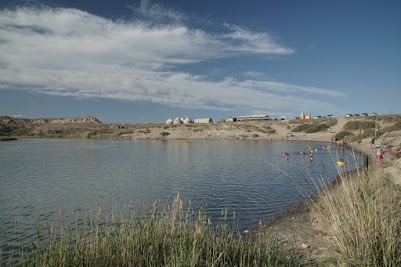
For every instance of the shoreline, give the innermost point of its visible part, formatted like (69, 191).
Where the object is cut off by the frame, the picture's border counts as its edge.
(7, 138)
(296, 226)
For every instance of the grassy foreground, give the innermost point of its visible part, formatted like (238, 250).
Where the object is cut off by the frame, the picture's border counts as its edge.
(168, 236)
(363, 218)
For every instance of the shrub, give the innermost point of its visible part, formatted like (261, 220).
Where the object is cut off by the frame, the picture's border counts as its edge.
(352, 138)
(126, 131)
(358, 125)
(146, 131)
(267, 129)
(341, 135)
(390, 118)
(164, 134)
(255, 135)
(311, 128)
(198, 129)
(367, 133)
(395, 127)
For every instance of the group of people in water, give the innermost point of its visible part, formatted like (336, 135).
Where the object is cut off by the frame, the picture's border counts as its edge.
(310, 151)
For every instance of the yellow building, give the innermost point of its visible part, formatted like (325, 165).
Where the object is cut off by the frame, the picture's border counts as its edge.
(305, 116)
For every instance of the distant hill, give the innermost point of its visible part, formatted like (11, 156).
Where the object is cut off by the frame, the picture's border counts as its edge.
(23, 126)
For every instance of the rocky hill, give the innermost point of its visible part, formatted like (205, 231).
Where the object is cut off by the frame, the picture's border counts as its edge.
(42, 126)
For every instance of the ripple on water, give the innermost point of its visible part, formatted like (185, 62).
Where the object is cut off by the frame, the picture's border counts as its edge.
(40, 176)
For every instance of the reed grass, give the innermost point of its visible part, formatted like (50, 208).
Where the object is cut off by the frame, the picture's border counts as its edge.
(166, 236)
(363, 218)
(361, 213)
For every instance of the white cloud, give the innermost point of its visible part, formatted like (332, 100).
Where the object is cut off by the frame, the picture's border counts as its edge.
(69, 52)
(156, 13)
(257, 42)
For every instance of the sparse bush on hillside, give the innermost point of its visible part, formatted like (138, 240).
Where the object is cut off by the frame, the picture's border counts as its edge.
(164, 134)
(146, 131)
(359, 125)
(311, 128)
(389, 118)
(255, 135)
(267, 129)
(341, 135)
(367, 133)
(125, 131)
(329, 121)
(395, 127)
(242, 136)
(198, 129)
(247, 127)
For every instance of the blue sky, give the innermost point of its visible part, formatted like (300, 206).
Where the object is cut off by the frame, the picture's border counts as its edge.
(147, 61)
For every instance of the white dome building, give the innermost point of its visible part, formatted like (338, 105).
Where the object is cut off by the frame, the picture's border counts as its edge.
(177, 121)
(188, 120)
(169, 122)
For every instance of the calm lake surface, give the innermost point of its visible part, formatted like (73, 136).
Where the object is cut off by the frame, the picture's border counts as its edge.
(40, 176)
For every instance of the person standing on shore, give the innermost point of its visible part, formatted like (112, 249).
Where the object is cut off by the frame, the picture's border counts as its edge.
(379, 155)
(372, 142)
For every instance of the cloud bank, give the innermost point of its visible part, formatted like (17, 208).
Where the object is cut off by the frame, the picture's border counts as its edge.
(69, 52)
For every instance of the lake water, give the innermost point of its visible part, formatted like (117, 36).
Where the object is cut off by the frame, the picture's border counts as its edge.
(40, 176)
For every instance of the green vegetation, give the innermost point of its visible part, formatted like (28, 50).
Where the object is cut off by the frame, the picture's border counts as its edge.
(164, 134)
(359, 125)
(198, 129)
(267, 129)
(341, 135)
(362, 217)
(248, 127)
(146, 131)
(328, 121)
(395, 127)
(366, 128)
(311, 127)
(391, 118)
(356, 130)
(169, 236)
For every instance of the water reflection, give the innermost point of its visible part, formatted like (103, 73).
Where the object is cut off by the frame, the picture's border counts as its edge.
(41, 176)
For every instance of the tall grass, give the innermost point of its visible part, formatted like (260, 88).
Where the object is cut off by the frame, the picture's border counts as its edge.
(361, 213)
(363, 218)
(166, 236)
